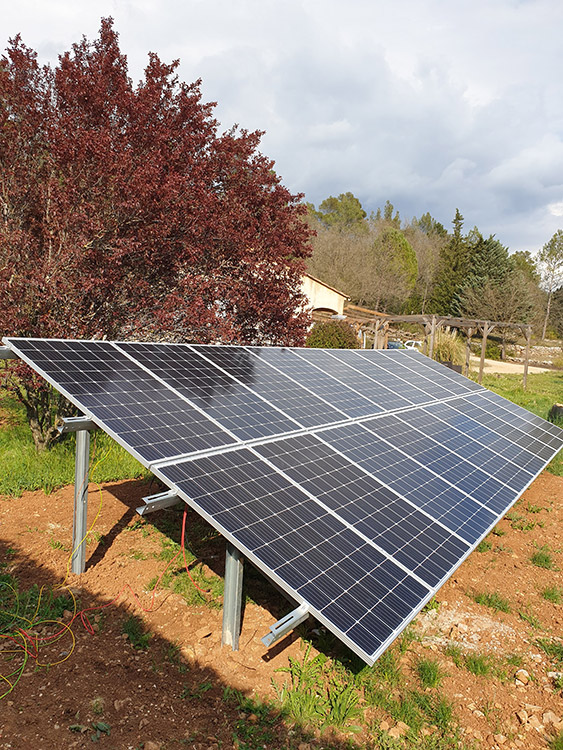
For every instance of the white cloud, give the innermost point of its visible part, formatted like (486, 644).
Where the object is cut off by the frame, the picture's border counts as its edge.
(432, 105)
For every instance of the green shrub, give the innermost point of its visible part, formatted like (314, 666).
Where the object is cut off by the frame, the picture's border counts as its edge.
(333, 334)
(448, 347)
(493, 350)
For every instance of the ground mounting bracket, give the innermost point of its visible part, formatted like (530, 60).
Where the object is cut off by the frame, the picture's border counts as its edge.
(75, 424)
(7, 353)
(158, 502)
(280, 628)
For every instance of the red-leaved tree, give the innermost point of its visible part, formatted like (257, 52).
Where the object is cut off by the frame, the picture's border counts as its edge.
(125, 213)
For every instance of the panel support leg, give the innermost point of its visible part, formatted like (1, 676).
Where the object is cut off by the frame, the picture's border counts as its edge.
(232, 600)
(81, 470)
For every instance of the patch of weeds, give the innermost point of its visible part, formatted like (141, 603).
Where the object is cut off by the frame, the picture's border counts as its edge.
(132, 627)
(501, 548)
(542, 558)
(533, 508)
(100, 727)
(137, 524)
(553, 594)
(494, 601)
(417, 709)
(407, 637)
(515, 660)
(497, 531)
(387, 669)
(429, 673)
(97, 705)
(96, 537)
(432, 605)
(319, 695)
(170, 549)
(137, 554)
(553, 649)
(480, 665)
(343, 706)
(257, 734)
(520, 523)
(191, 693)
(456, 654)
(56, 544)
(556, 742)
(484, 546)
(530, 619)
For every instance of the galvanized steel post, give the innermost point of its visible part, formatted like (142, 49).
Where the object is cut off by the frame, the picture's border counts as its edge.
(232, 599)
(81, 470)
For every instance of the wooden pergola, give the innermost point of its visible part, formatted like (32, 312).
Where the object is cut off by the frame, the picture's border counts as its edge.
(377, 324)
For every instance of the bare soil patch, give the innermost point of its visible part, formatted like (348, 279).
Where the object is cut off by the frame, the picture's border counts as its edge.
(173, 694)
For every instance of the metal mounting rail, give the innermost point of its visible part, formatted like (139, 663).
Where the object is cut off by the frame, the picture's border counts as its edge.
(75, 424)
(286, 624)
(7, 353)
(157, 502)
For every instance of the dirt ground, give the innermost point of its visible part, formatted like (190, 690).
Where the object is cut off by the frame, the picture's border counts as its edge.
(494, 365)
(173, 694)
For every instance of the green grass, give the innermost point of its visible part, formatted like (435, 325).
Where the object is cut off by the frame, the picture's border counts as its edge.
(553, 594)
(542, 558)
(544, 390)
(494, 601)
(429, 673)
(133, 628)
(553, 649)
(25, 469)
(556, 743)
(479, 664)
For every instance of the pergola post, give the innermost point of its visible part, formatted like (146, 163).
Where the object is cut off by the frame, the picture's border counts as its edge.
(232, 599)
(376, 334)
(468, 351)
(528, 334)
(486, 331)
(432, 337)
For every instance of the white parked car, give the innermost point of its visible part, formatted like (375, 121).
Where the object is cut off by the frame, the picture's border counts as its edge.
(412, 344)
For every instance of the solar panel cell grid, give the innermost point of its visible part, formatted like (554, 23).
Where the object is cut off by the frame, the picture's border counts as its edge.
(281, 391)
(141, 412)
(222, 398)
(347, 401)
(382, 398)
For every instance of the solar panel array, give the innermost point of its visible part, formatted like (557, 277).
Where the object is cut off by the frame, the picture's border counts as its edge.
(358, 480)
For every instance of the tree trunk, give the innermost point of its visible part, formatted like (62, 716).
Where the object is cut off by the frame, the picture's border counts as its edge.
(546, 314)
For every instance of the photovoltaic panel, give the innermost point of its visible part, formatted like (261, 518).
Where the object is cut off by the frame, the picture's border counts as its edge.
(390, 522)
(133, 406)
(424, 488)
(217, 394)
(429, 368)
(290, 397)
(347, 581)
(382, 397)
(358, 480)
(349, 402)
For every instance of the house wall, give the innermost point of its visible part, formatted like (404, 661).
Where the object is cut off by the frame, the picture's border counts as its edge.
(321, 296)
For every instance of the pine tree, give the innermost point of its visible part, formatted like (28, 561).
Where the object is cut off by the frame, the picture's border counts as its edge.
(453, 268)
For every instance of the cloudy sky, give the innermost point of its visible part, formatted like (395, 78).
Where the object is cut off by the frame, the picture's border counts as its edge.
(433, 105)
